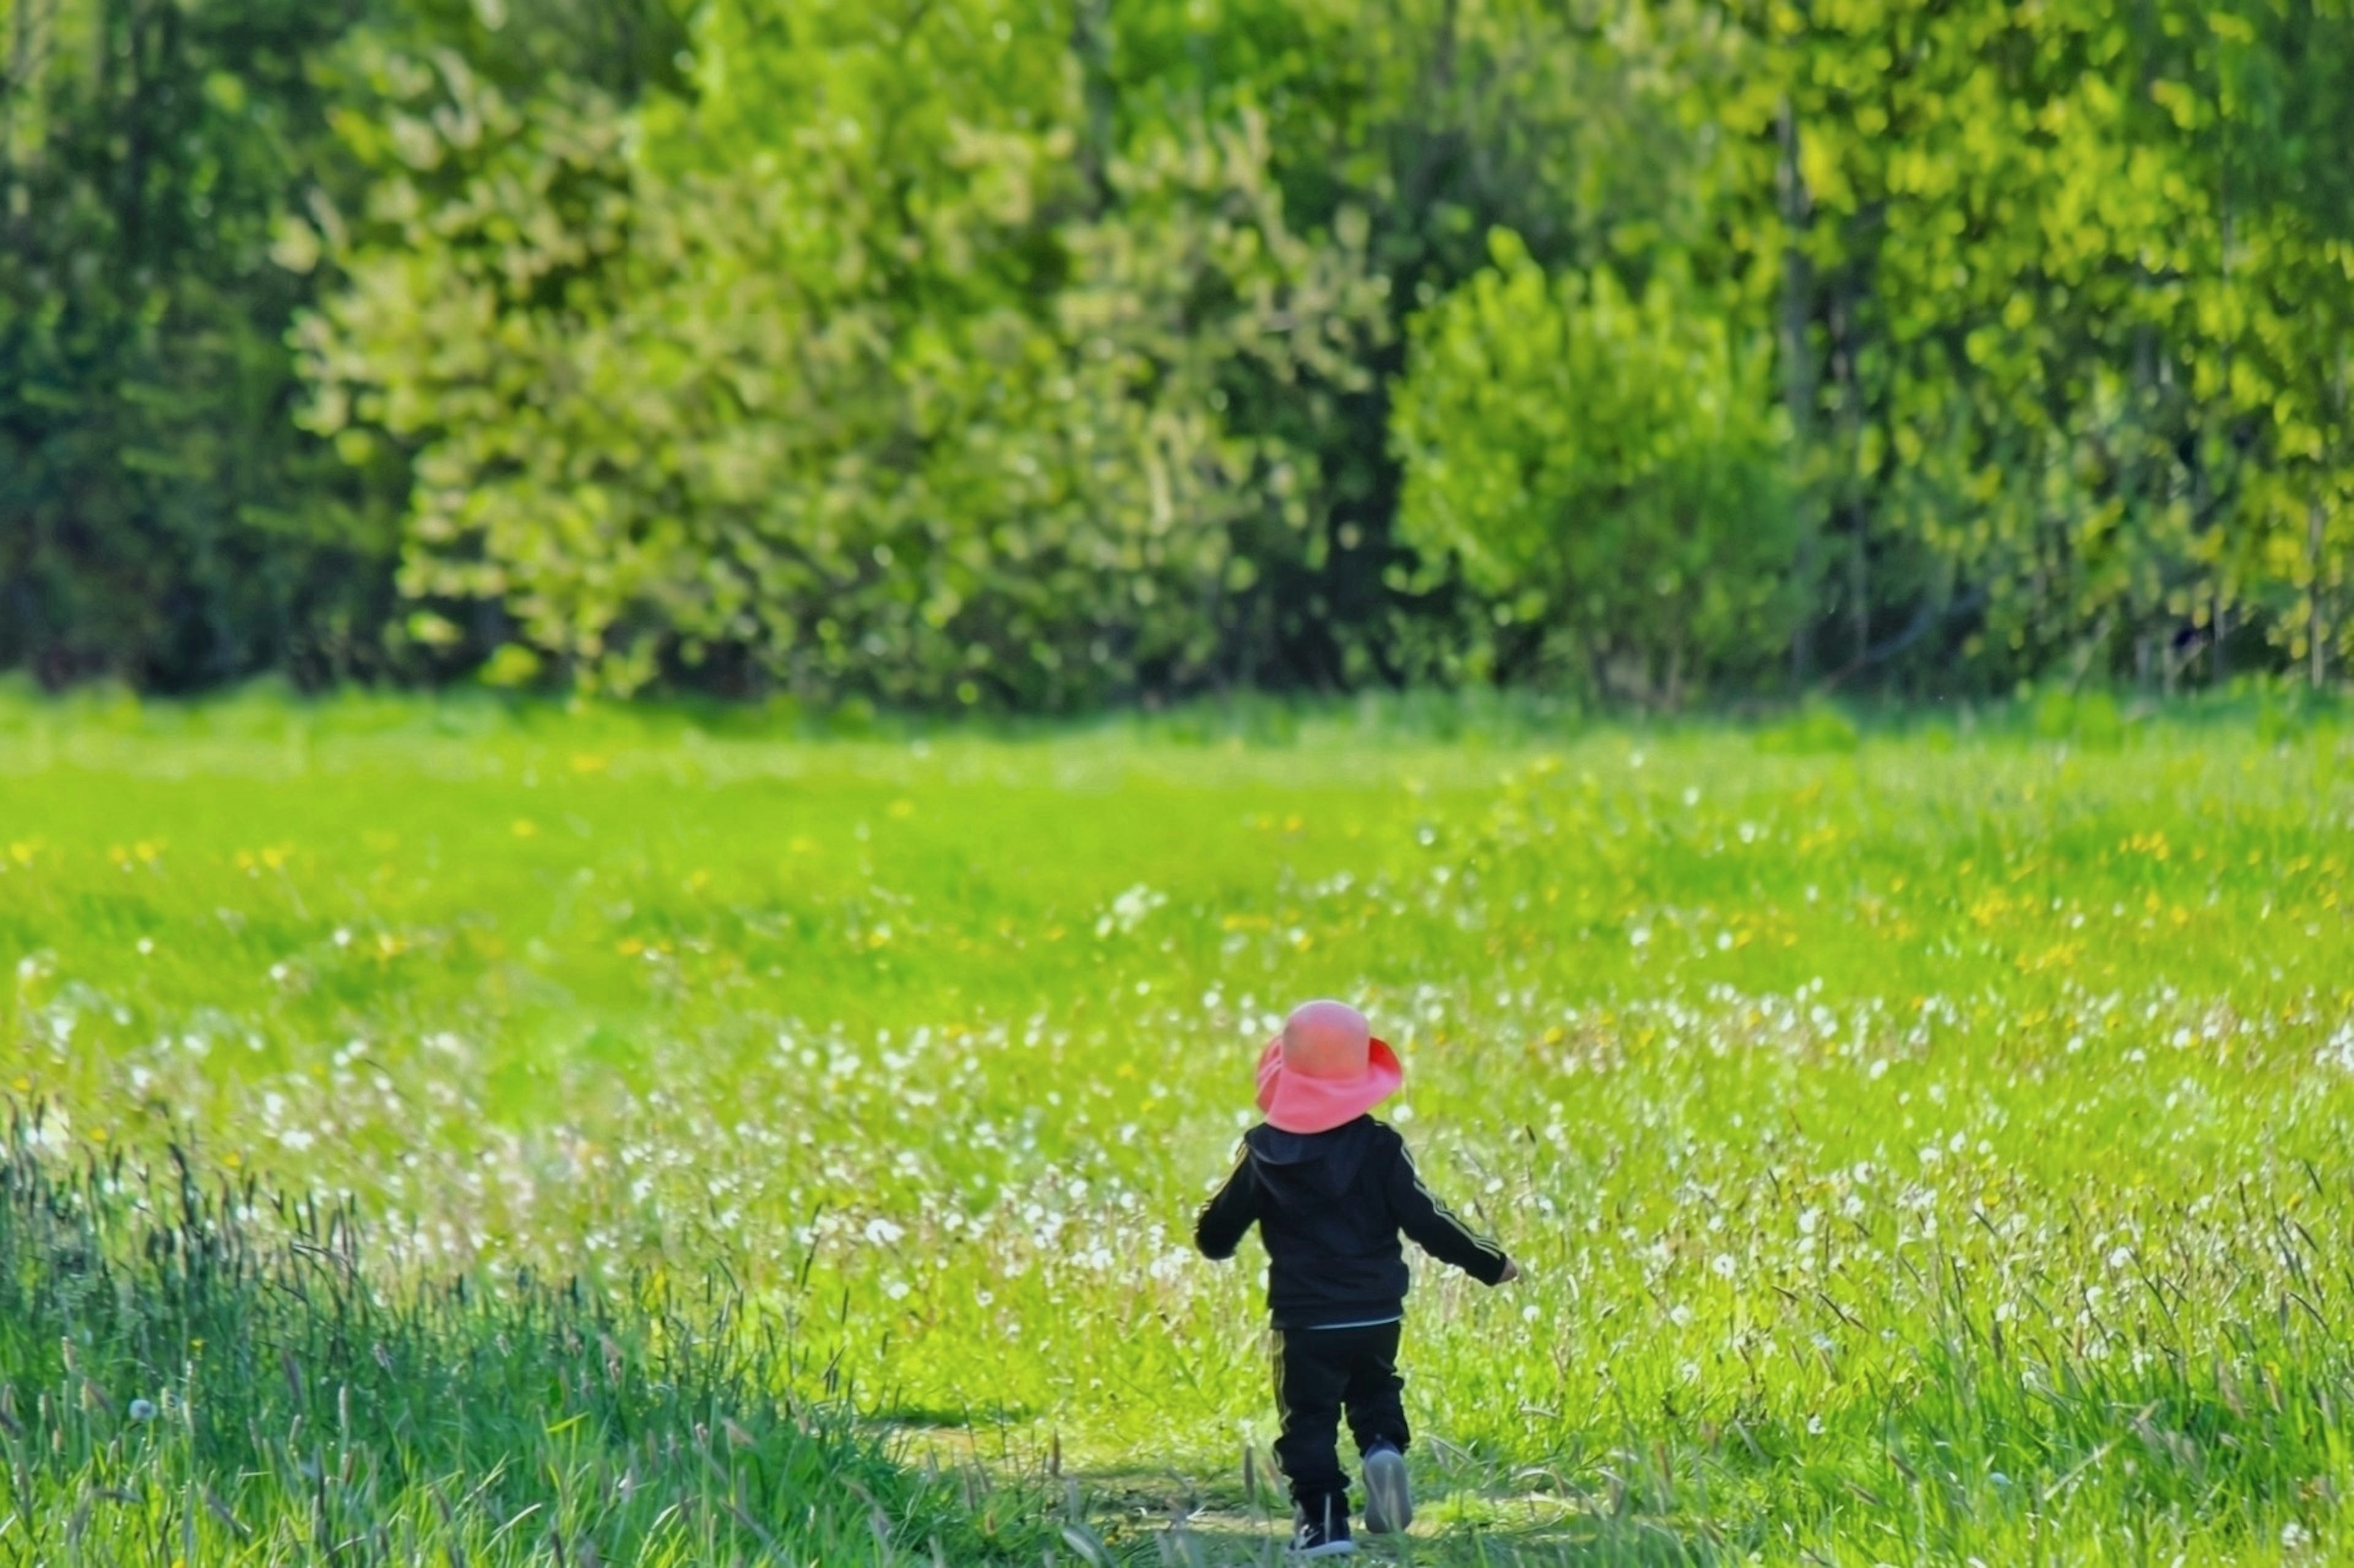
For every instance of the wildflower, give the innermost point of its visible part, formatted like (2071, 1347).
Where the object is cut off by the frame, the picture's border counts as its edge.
(142, 1410)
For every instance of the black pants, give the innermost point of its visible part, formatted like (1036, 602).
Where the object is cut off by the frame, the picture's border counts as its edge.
(1319, 1372)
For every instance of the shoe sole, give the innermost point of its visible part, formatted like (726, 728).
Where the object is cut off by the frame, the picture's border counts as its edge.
(1389, 1501)
(1329, 1549)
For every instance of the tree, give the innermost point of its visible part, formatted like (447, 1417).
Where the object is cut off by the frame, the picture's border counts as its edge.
(835, 377)
(160, 518)
(1609, 472)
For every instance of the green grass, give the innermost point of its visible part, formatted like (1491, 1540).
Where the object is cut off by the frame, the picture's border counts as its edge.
(201, 1373)
(1925, 1144)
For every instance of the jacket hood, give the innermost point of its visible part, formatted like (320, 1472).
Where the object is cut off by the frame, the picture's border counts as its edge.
(1309, 1164)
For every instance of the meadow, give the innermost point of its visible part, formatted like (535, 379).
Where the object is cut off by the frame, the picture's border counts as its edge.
(480, 1133)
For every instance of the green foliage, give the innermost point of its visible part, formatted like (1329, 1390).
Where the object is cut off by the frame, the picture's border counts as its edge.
(167, 174)
(1606, 470)
(869, 397)
(160, 518)
(2035, 322)
(1031, 356)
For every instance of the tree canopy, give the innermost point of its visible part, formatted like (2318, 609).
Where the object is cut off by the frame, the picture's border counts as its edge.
(1040, 354)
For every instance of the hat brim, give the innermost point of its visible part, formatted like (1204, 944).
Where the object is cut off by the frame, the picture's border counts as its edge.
(1295, 1103)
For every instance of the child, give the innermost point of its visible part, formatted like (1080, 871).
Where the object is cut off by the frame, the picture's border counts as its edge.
(1330, 1188)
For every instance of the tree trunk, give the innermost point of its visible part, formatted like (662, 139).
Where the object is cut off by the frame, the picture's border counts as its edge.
(1091, 47)
(2316, 612)
(1846, 499)
(18, 83)
(2317, 532)
(1798, 393)
(14, 92)
(1440, 130)
(135, 112)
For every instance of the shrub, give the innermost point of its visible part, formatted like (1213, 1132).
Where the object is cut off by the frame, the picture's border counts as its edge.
(1606, 471)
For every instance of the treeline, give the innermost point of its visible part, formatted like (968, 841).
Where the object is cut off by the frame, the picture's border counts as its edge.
(1035, 353)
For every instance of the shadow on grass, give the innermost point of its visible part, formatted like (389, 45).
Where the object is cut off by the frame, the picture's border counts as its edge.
(920, 1418)
(1148, 1516)
(193, 1369)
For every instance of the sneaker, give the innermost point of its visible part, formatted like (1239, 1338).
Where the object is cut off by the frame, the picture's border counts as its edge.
(1320, 1538)
(1389, 1500)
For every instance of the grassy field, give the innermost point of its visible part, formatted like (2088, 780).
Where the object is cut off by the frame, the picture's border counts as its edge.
(1931, 1146)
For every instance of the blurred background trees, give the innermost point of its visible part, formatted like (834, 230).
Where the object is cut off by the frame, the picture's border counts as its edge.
(1038, 353)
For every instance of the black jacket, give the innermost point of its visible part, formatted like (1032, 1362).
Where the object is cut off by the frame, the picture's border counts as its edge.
(1330, 1206)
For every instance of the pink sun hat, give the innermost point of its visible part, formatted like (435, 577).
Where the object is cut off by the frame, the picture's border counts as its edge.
(1325, 1070)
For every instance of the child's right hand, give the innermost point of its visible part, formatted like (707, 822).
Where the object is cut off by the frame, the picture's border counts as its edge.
(1511, 1272)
